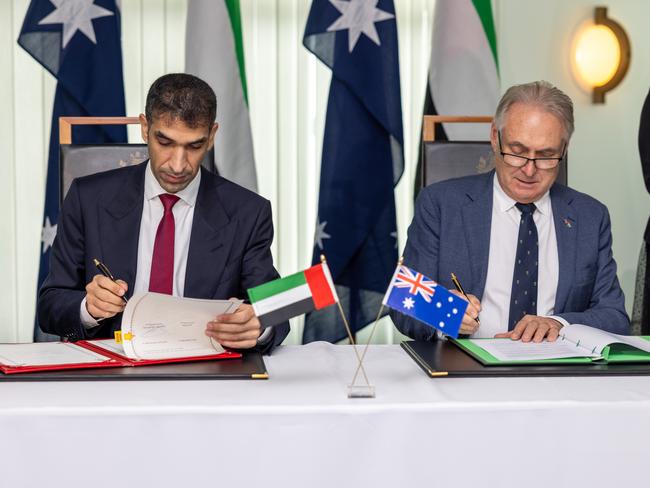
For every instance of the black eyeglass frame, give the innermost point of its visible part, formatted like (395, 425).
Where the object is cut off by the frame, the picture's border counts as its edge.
(534, 160)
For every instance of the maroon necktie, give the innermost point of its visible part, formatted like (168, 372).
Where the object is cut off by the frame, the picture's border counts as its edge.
(162, 262)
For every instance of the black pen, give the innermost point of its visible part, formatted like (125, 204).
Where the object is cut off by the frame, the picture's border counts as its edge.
(104, 270)
(459, 287)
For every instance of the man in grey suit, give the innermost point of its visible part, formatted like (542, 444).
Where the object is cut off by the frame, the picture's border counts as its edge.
(533, 255)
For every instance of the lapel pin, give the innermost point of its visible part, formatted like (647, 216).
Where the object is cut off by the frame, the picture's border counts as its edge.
(567, 222)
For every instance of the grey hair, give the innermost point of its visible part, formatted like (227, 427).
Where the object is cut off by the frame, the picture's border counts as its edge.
(542, 94)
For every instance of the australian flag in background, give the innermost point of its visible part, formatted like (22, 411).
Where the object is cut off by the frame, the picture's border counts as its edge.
(78, 41)
(362, 157)
(417, 296)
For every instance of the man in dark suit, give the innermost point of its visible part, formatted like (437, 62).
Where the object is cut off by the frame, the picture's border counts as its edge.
(166, 225)
(533, 255)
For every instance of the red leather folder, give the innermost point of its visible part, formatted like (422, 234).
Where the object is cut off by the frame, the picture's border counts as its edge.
(113, 360)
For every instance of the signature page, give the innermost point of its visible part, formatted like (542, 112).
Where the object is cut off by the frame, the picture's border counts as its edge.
(509, 350)
(596, 339)
(157, 326)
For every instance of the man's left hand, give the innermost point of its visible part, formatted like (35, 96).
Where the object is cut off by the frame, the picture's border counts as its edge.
(534, 328)
(238, 330)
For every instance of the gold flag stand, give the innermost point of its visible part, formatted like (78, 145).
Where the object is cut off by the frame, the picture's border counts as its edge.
(355, 391)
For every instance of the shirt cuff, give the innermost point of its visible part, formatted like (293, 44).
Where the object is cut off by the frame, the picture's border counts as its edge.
(264, 337)
(559, 319)
(87, 320)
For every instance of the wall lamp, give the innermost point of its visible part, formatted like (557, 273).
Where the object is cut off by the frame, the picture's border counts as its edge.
(601, 55)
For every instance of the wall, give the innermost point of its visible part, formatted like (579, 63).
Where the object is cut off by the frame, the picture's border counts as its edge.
(288, 92)
(603, 157)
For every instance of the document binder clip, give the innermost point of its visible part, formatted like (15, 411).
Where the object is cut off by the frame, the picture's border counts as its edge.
(118, 336)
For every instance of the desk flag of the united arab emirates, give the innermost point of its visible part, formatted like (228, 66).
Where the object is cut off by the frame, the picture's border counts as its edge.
(279, 300)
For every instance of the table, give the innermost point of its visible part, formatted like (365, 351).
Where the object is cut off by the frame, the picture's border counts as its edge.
(300, 429)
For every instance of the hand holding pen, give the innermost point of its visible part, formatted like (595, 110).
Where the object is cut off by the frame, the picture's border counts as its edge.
(105, 295)
(471, 321)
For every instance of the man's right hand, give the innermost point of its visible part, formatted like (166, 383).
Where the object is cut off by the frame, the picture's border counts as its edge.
(469, 324)
(104, 297)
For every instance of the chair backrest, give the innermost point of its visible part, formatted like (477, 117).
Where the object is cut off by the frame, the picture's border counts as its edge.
(76, 160)
(443, 160)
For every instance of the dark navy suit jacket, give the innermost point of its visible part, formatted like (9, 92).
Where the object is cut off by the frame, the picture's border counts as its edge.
(450, 232)
(229, 247)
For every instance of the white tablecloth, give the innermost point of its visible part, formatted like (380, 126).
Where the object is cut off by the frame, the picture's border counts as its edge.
(300, 429)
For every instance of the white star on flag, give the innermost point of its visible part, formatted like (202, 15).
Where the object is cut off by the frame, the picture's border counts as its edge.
(408, 303)
(48, 234)
(75, 15)
(358, 16)
(320, 233)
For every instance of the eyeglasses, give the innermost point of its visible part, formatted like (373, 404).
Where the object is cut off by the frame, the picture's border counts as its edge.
(520, 161)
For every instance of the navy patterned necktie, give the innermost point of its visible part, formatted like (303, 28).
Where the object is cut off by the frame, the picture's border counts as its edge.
(523, 299)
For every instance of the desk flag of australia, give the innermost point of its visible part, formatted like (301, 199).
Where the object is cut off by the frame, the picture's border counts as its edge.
(362, 157)
(78, 41)
(417, 296)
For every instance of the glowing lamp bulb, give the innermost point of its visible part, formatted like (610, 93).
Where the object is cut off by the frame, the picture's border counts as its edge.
(597, 55)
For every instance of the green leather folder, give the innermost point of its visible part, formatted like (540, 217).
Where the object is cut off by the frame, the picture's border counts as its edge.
(614, 353)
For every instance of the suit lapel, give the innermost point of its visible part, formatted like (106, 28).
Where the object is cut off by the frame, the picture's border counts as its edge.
(210, 241)
(119, 227)
(566, 232)
(477, 222)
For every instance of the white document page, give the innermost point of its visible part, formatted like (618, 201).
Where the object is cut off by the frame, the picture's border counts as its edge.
(165, 327)
(509, 350)
(596, 339)
(47, 354)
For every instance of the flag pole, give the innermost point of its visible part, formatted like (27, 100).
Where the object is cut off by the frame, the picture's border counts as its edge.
(350, 336)
(372, 331)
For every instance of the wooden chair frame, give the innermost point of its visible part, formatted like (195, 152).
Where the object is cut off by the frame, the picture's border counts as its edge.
(429, 123)
(66, 123)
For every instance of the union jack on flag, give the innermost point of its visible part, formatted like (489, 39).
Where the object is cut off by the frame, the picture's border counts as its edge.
(413, 294)
(416, 282)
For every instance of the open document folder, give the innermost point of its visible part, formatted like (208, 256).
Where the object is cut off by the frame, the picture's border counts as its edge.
(155, 329)
(576, 344)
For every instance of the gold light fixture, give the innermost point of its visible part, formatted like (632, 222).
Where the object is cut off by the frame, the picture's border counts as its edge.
(601, 55)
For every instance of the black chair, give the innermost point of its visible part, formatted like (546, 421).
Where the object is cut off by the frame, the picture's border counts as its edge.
(443, 160)
(76, 160)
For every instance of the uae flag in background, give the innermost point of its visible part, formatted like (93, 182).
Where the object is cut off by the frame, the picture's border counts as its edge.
(279, 300)
(214, 51)
(464, 69)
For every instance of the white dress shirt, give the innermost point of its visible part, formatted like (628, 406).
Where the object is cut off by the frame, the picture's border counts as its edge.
(152, 213)
(501, 263)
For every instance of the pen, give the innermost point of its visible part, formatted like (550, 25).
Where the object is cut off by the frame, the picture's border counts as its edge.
(459, 287)
(104, 270)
